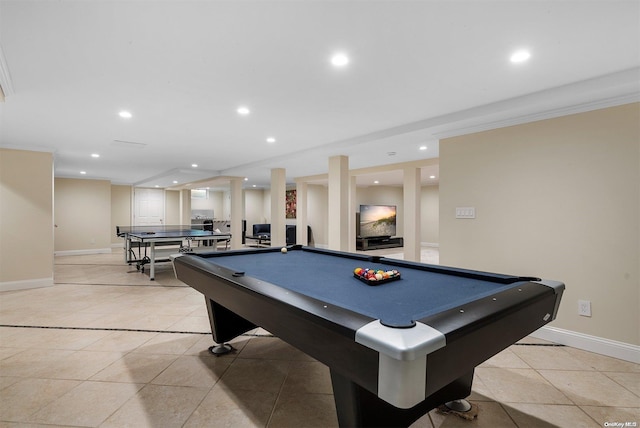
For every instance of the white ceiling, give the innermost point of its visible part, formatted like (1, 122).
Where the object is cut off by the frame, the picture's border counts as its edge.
(419, 70)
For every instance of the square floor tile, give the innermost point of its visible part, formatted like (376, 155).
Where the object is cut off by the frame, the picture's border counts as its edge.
(308, 377)
(169, 343)
(196, 371)
(591, 388)
(256, 375)
(157, 406)
(272, 348)
(25, 397)
(135, 368)
(548, 357)
(88, 404)
(520, 386)
(225, 407)
(490, 415)
(304, 410)
(610, 415)
(121, 341)
(549, 415)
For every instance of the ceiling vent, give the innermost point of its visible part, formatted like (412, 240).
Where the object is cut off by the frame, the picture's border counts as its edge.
(128, 144)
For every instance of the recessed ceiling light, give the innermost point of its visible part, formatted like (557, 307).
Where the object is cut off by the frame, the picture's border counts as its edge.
(83, 172)
(175, 182)
(246, 179)
(125, 114)
(271, 140)
(254, 185)
(520, 56)
(423, 147)
(156, 186)
(432, 176)
(339, 60)
(194, 165)
(376, 182)
(95, 155)
(242, 110)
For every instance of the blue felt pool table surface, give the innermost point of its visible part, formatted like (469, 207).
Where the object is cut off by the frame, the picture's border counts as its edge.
(418, 294)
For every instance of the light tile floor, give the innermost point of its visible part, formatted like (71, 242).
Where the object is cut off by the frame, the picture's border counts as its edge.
(106, 347)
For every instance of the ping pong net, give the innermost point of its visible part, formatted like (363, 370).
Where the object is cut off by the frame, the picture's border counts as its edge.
(150, 229)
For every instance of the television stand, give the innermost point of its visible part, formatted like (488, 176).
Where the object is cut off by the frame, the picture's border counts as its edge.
(378, 242)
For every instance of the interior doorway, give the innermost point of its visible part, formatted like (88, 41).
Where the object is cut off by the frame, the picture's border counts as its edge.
(149, 206)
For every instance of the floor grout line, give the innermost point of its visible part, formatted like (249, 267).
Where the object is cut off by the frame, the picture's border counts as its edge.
(124, 329)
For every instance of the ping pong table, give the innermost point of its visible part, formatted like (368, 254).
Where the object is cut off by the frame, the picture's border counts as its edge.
(161, 241)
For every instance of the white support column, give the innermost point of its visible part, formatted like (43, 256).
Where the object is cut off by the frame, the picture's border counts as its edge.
(411, 216)
(352, 214)
(278, 214)
(339, 203)
(185, 206)
(301, 213)
(236, 213)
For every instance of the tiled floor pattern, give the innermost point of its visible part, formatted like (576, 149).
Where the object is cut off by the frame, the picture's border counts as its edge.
(106, 347)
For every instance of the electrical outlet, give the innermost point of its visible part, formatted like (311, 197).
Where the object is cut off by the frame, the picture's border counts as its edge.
(584, 308)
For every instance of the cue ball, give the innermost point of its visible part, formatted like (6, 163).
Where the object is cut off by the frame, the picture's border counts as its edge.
(283, 250)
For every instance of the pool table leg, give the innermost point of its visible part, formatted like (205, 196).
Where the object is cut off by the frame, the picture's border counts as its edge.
(225, 324)
(357, 407)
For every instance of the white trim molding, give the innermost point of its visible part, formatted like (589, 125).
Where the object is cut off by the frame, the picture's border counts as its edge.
(430, 244)
(599, 345)
(26, 284)
(82, 252)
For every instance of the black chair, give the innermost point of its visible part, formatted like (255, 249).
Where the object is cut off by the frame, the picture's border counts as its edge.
(261, 233)
(262, 229)
(207, 225)
(291, 234)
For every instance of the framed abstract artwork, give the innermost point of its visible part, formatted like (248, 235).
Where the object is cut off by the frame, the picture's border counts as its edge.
(290, 203)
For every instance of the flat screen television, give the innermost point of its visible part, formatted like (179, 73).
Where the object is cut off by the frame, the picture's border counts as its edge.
(377, 221)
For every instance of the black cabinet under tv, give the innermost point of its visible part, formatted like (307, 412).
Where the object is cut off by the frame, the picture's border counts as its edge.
(375, 243)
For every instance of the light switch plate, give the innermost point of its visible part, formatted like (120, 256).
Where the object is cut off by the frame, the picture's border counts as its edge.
(465, 212)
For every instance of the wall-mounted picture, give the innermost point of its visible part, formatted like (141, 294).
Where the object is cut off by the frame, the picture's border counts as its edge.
(290, 203)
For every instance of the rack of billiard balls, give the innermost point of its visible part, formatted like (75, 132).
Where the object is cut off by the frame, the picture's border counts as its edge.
(375, 276)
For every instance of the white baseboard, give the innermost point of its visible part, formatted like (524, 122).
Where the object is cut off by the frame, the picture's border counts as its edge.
(423, 244)
(599, 345)
(26, 284)
(82, 252)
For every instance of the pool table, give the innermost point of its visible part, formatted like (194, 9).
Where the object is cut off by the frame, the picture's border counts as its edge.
(395, 350)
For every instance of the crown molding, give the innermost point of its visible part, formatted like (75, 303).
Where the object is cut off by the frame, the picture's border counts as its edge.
(165, 179)
(611, 90)
(534, 117)
(28, 148)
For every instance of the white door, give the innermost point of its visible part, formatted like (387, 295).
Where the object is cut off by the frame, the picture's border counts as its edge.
(149, 206)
